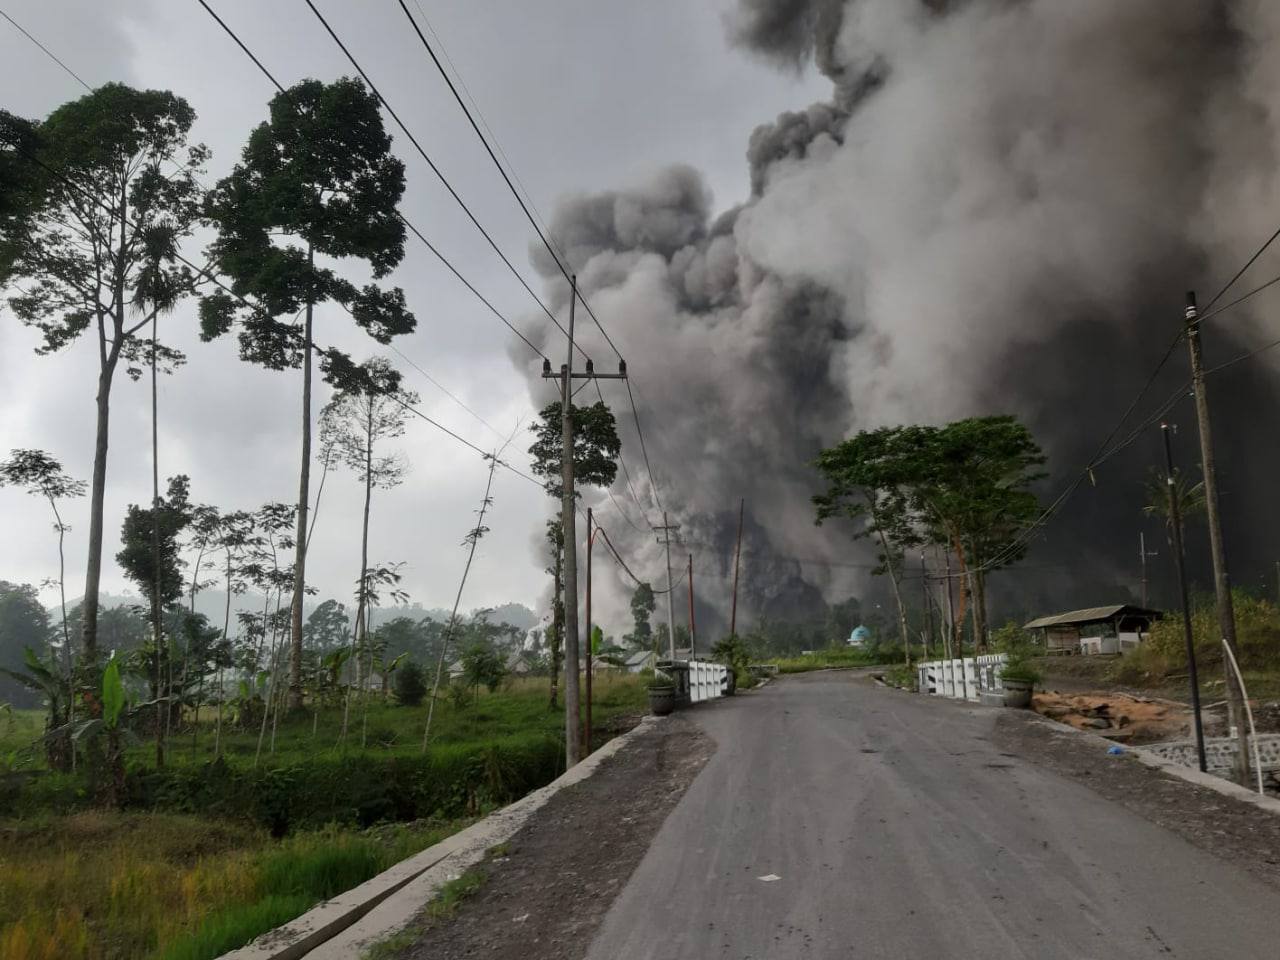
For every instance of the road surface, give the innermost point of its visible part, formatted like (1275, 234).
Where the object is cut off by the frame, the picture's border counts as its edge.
(896, 828)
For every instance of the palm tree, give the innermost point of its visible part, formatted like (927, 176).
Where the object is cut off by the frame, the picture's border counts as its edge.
(1189, 496)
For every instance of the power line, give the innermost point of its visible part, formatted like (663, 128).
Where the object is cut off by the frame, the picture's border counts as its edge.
(1241, 299)
(440, 386)
(501, 170)
(436, 170)
(49, 53)
(653, 484)
(403, 219)
(1239, 273)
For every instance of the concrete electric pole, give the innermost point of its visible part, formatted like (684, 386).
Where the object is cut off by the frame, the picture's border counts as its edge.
(665, 532)
(568, 521)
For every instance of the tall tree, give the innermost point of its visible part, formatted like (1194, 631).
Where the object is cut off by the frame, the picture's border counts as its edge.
(972, 489)
(317, 177)
(642, 607)
(595, 446)
(869, 479)
(41, 475)
(354, 424)
(150, 556)
(99, 196)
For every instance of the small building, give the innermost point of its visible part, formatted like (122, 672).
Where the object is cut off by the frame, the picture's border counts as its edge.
(860, 637)
(639, 661)
(521, 662)
(1114, 629)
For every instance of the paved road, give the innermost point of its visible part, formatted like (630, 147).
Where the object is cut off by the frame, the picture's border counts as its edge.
(898, 830)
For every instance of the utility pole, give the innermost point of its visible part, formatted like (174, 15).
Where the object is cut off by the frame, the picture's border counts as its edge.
(1221, 581)
(1142, 557)
(568, 522)
(928, 607)
(586, 731)
(951, 611)
(666, 530)
(737, 556)
(1179, 560)
(693, 624)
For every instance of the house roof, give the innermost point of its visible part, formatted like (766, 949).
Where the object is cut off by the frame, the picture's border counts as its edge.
(639, 657)
(1092, 615)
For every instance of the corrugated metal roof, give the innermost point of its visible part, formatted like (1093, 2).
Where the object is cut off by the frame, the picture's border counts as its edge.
(1089, 615)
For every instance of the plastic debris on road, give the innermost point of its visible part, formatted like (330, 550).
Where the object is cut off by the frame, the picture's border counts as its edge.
(769, 878)
(1115, 750)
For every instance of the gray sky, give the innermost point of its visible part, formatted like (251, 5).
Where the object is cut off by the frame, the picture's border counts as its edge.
(582, 96)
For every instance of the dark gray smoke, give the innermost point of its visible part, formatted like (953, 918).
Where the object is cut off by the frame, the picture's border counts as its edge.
(997, 211)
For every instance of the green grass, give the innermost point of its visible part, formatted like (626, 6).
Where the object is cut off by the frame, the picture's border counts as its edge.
(386, 729)
(201, 878)
(824, 660)
(102, 886)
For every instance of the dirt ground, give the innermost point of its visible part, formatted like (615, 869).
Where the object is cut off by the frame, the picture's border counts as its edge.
(548, 891)
(1226, 827)
(1117, 716)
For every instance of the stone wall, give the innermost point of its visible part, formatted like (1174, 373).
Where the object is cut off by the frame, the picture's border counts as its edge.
(1219, 752)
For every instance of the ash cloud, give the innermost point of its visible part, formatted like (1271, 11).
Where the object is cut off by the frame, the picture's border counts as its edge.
(997, 211)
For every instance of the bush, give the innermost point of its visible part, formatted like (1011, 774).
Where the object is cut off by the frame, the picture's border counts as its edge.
(1164, 653)
(410, 684)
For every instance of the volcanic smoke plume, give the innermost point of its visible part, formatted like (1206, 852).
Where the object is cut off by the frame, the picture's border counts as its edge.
(998, 210)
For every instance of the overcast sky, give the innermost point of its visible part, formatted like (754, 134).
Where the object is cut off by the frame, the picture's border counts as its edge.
(582, 96)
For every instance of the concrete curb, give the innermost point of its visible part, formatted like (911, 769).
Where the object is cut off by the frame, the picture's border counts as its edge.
(1190, 774)
(384, 905)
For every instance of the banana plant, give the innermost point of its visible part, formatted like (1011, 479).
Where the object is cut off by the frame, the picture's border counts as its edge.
(56, 690)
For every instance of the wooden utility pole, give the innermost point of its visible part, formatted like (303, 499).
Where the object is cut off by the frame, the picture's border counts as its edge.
(666, 530)
(737, 556)
(586, 728)
(1221, 581)
(693, 624)
(1179, 560)
(568, 521)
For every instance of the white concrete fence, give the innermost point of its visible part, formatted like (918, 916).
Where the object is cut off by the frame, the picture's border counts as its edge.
(961, 679)
(707, 681)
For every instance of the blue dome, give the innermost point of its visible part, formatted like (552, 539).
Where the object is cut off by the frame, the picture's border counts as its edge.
(860, 633)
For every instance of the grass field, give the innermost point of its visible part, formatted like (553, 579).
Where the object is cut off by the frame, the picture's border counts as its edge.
(385, 727)
(105, 885)
(824, 660)
(109, 885)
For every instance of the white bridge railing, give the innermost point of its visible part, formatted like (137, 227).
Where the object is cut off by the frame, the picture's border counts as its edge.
(706, 680)
(961, 679)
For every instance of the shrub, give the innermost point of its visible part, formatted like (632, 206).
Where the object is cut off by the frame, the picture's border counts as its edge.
(410, 684)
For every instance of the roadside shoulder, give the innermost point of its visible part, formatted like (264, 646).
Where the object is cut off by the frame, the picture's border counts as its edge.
(1229, 826)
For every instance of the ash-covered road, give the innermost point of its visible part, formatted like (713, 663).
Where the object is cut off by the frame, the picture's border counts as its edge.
(896, 827)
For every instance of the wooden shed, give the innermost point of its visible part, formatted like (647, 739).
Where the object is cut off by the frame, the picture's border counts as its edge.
(1112, 629)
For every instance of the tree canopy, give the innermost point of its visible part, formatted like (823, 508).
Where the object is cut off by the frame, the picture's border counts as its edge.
(595, 446)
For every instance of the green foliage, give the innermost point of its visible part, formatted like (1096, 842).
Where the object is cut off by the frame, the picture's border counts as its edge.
(1189, 496)
(1020, 670)
(319, 169)
(1164, 654)
(410, 684)
(137, 537)
(595, 446)
(113, 696)
(830, 659)
(732, 652)
(97, 217)
(24, 624)
(643, 604)
(233, 927)
(482, 666)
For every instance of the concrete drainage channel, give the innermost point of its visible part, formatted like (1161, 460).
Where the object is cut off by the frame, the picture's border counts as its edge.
(341, 928)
